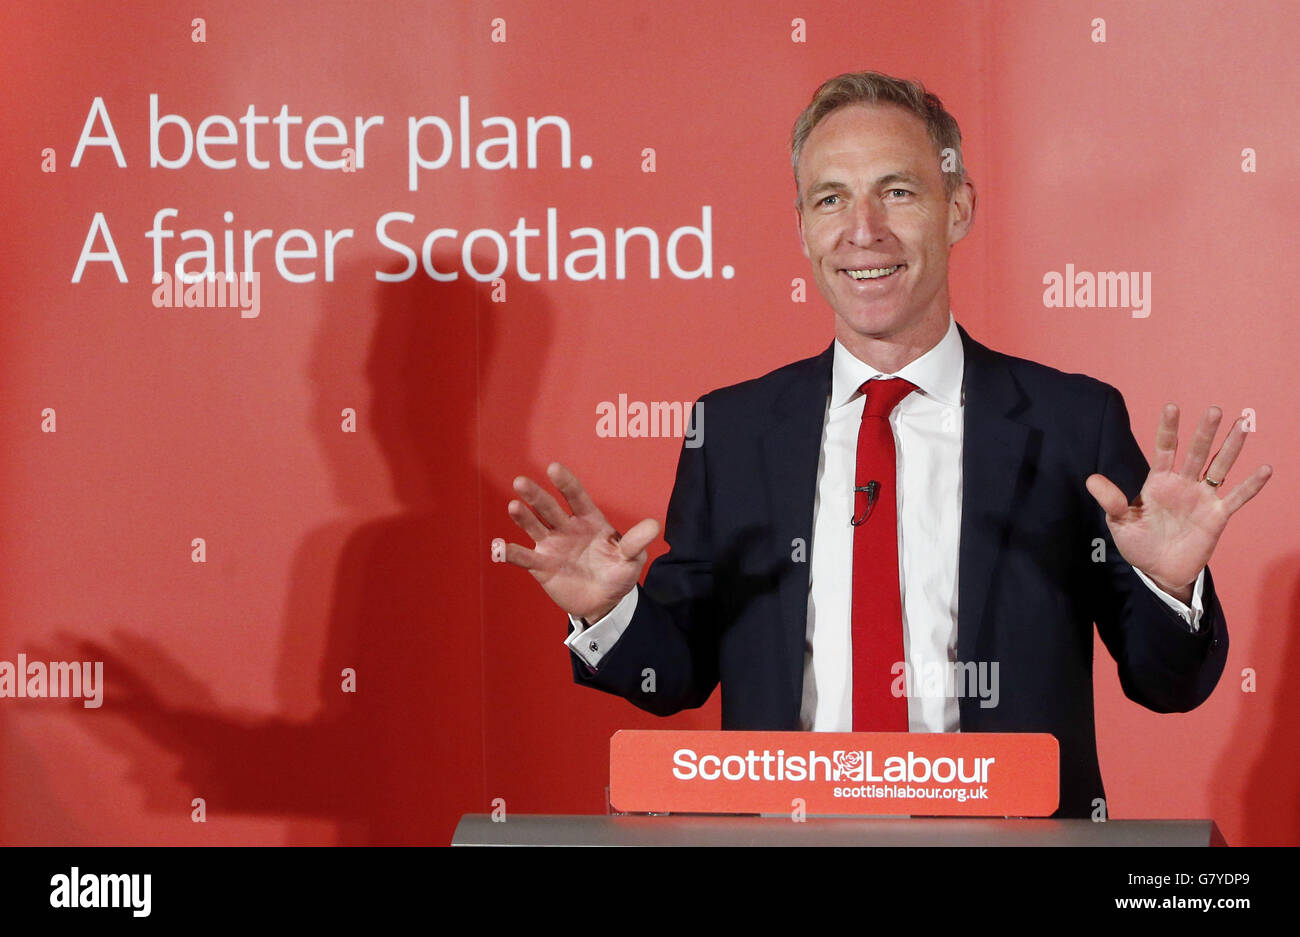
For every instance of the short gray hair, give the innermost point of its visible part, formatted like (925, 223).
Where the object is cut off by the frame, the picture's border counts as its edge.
(876, 88)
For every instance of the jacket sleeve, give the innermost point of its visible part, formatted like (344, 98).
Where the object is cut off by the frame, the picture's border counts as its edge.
(666, 660)
(1162, 664)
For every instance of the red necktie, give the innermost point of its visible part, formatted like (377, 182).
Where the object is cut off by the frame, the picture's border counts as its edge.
(877, 604)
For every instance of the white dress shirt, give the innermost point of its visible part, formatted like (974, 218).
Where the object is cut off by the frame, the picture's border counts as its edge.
(928, 430)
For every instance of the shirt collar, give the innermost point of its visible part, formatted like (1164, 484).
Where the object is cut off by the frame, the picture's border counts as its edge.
(938, 372)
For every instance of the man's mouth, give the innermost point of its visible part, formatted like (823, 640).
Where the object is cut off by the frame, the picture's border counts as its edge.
(873, 273)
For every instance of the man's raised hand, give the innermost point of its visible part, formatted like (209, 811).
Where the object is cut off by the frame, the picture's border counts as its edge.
(579, 558)
(1172, 527)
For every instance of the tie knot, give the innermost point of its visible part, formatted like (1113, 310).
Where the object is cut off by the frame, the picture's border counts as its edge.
(884, 394)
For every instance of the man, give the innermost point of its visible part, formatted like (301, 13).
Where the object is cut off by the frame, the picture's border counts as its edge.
(960, 506)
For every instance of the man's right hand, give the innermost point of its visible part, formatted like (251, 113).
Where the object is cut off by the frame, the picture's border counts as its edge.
(580, 559)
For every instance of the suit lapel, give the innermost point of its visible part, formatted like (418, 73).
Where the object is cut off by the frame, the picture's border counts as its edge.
(791, 452)
(993, 450)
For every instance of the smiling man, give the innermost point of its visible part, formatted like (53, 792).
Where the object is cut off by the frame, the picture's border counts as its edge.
(908, 501)
(877, 223)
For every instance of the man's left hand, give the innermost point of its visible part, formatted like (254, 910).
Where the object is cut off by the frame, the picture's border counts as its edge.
(1171, 528)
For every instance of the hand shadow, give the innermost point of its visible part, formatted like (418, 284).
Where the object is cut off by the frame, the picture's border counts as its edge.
(393, 598)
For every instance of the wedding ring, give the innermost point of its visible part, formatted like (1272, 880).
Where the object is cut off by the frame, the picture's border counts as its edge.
(1212, 483)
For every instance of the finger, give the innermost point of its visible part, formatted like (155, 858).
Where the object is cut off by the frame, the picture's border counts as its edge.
(93, 650)
(1108, 495)
(638, 538)
(1228, 452)
(126, 680)
(1166, 440)
(540, 500)
(575, 495)
(1199, 449)
(1248, 489)
(528, 559)
(527, 521)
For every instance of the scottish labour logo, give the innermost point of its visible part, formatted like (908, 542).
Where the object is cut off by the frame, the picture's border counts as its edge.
(848, 766)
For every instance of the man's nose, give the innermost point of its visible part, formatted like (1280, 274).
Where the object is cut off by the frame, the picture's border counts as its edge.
(865, 222)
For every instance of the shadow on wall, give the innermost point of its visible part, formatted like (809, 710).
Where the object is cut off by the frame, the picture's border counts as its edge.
(394, 597)
(1263, 784)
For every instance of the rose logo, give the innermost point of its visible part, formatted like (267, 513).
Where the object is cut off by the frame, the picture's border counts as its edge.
(848, 766)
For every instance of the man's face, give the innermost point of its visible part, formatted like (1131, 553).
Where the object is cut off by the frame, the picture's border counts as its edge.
(877, 226)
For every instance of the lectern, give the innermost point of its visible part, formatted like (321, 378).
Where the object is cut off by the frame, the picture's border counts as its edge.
(534, 830)
(672, 788)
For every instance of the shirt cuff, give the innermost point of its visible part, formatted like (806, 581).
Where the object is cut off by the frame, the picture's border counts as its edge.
(591, 642)
(1190, 614)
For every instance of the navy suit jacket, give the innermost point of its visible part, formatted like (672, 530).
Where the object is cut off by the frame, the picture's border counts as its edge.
(728, 602)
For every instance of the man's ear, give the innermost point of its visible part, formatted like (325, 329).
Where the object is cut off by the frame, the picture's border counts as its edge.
(803, 244)
(961, 212)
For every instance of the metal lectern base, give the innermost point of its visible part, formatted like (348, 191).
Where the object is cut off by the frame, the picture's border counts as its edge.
(477, 829)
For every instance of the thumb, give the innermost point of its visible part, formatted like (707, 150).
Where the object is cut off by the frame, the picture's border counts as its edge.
(638, 538)
(1108, 495)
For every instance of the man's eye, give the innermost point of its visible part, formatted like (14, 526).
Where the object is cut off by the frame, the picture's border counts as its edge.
(827, 200)
(901, 191)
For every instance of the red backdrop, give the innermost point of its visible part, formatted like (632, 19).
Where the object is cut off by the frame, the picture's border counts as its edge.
(371, 550)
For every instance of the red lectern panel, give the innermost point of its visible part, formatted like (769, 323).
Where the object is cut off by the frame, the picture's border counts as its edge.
(943, 774)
